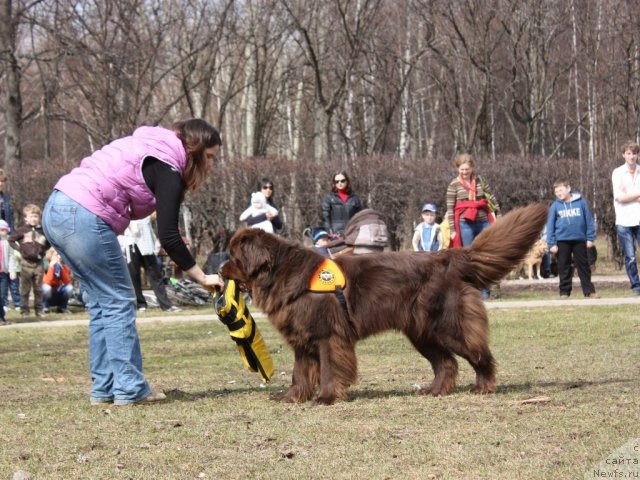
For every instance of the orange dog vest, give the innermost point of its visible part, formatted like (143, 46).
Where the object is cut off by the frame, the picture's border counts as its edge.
(327, 278)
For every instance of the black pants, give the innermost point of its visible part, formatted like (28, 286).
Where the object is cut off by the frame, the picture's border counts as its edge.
(565, 269)
(154, 274)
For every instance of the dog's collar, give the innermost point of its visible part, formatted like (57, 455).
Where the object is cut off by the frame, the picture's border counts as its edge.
(327, 278)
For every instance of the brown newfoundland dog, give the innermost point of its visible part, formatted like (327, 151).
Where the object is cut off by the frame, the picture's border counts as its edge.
(432, 298)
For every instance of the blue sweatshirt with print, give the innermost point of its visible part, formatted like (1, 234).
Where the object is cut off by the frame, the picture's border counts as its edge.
(569, 221)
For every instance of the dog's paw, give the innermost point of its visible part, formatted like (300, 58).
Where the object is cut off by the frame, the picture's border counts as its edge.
(434, 391)
(426, 391)
(291, 399)
(296, 395)
(324, 401)
(483, 389)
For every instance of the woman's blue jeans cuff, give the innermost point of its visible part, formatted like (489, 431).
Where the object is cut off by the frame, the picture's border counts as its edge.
(101, 399)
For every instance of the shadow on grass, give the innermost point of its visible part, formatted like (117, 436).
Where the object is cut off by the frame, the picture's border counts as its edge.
(177, 395)
(559, 386)
(529, 387)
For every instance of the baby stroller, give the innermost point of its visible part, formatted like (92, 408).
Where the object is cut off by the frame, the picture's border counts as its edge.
(366, 232)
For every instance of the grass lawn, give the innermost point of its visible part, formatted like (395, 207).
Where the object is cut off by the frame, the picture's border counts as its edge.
(582, 364)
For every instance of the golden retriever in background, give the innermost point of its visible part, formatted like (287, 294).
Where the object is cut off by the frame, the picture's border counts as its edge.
(533, 259)
(434, 300)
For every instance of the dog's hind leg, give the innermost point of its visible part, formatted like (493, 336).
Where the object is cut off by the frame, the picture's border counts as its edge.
(338, 369)
(483, 363)
(304, 379)
(480, 358)
(472, 343)
(485, 367)
(444, 364)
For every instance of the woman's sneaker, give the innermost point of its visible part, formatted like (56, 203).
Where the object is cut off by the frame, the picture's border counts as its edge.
(153, 397)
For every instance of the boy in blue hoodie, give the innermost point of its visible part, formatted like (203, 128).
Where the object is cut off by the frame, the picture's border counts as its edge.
(570, 231)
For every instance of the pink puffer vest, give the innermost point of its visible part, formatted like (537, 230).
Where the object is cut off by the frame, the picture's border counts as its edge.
(109, 183)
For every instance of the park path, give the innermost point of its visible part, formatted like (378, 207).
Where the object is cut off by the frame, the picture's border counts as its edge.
(601, 283)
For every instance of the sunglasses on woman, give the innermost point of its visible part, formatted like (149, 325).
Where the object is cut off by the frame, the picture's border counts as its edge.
(267, 187)
(340, 180)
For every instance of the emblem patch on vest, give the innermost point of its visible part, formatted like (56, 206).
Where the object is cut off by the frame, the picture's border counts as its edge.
(327, 277)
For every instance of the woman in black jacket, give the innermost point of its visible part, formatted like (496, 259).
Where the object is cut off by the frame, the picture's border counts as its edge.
(266, 187)
(339, 205)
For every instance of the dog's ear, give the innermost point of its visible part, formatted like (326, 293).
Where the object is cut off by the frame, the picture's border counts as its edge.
(255, 254)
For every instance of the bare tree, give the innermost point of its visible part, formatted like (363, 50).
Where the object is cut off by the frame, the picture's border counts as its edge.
(332, 36)
(536, 32)
(267, 38)
(11, 15)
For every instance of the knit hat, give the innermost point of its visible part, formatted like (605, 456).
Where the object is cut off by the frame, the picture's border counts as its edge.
(4, 226)
(429, 207)
(319, 234)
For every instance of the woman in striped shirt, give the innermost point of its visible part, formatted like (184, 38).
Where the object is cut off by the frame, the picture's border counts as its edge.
(470, 204)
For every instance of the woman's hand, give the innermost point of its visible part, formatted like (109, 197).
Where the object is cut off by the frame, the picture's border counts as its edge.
(212, 282)
(452, 235)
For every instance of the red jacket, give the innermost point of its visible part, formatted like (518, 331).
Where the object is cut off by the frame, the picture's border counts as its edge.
(63, 279)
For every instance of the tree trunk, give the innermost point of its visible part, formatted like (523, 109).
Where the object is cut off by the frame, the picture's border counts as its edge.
(320, 141)
(12, 100)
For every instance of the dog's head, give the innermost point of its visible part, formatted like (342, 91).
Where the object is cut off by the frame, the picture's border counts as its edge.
(539, 247)
(250, 257)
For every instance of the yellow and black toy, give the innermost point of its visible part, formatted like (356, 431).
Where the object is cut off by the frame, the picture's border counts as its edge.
(233, 312)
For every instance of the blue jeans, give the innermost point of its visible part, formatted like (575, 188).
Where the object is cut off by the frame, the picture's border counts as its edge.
(14, 289)
(90, 248)
(469, 231)
(58, 297)
(4, 286)
(628, 237)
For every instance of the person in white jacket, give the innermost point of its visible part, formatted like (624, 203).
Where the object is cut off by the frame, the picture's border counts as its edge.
(7, 267)
(139, 246)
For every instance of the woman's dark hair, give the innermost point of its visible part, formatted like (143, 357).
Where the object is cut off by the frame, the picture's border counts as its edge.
(196, 136)
(264, 181)
(333, 183)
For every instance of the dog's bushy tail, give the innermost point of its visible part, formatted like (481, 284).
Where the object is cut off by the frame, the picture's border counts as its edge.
(500, 248)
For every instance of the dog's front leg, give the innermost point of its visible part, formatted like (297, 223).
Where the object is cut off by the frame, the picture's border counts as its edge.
(327, 381)
(304, 378)
(338, 369)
